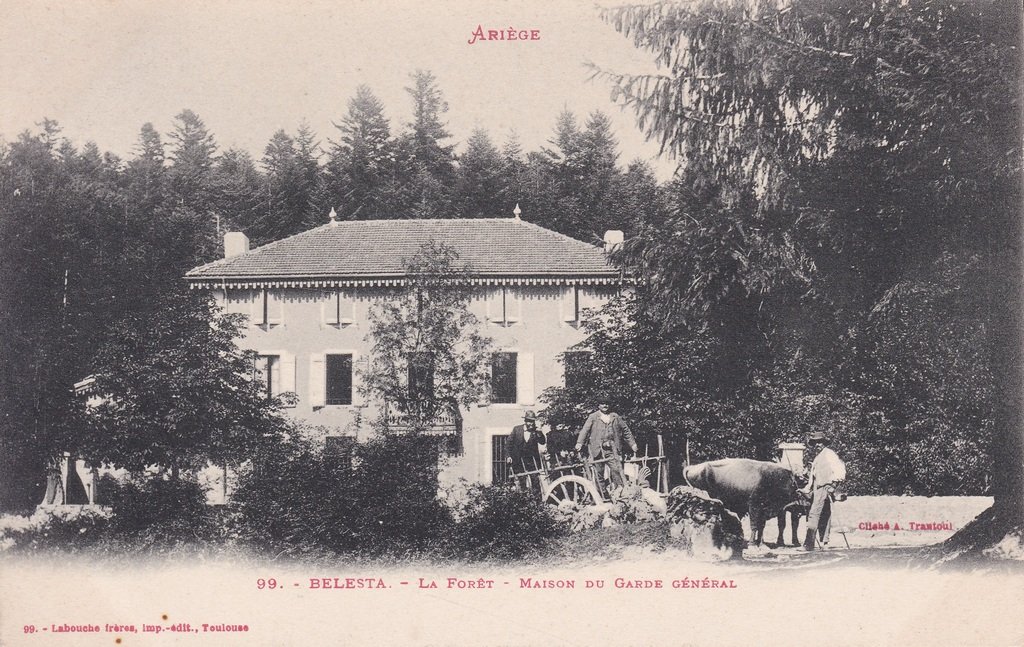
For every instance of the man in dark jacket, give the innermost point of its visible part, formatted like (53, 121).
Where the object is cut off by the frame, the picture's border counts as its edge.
(523, 449)
(603, 434)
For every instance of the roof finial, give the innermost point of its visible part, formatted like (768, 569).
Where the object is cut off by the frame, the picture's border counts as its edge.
(517, 211)
(333, 215)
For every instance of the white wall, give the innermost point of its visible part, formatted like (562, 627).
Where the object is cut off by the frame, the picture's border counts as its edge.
(298, 325)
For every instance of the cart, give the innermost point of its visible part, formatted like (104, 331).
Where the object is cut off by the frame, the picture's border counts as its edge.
(569, 477)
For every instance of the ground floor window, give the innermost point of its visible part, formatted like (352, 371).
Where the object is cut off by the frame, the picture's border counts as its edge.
(504, 386)
(499, 467)
(268, 373)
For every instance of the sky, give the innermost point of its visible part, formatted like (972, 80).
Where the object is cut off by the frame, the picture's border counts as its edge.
(105, 67)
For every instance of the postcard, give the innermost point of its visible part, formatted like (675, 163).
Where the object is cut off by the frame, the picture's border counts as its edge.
(510, 323)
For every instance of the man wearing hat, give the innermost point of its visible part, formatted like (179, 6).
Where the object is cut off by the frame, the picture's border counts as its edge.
(603, 434)
(827, 470)
(523, 448)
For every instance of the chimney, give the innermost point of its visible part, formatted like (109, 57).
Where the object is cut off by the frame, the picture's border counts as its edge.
(613, 240)
(235, 243)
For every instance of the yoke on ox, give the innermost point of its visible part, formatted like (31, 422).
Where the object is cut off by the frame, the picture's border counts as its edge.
(744, 486)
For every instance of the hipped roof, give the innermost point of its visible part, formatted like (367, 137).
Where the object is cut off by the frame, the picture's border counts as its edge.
(375, 251)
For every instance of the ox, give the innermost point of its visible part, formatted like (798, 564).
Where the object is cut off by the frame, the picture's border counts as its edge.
(746, 486)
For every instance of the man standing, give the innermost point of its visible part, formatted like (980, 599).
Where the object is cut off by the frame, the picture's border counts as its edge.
(827, 470)
(524, 449)
(603, 434)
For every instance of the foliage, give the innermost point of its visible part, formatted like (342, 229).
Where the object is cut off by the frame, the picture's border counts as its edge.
(841, 234)
(381, 500)
(427, 353)
(502, 523)
(290, 498)
(161, 513)
(177, 392)
(57, 531)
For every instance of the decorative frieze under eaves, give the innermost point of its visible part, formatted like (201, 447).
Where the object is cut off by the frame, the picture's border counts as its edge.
(321, 283)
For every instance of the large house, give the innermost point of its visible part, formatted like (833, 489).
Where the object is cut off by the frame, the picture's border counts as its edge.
(307, 299)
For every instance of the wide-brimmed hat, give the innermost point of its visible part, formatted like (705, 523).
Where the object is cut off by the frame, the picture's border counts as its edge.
(817, 437)
(529, 415)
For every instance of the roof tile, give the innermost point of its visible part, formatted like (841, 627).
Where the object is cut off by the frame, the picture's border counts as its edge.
(363, 248)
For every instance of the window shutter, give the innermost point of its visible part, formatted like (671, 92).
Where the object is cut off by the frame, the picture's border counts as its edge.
(495, 305)
(275, 376)
(317, 380)
(570, 304)
(359, 366)
(275, 307)
(258, 308)
(329, 308)
(589, 300)
(220, 298)
(524, 378)
(346, 308)
(484, 396)
(287, 379)
(513, 306)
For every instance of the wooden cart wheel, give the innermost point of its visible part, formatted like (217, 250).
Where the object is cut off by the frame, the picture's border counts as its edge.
(572, 488)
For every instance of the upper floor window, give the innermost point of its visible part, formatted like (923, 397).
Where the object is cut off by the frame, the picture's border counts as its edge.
(338, 308)
(504, 306)
(267, 308)
(338, 380)
(512, 378)
(576, 301)
(421, 375)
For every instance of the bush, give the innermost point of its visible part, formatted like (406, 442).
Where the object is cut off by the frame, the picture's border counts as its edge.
(395, 487)
(381, 501)
(56, 530)
(292, 500)
(502, 523)
(160, 513)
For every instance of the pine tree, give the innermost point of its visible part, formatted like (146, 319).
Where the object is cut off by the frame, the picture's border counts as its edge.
(192, 157)
(426, 165)
(307, 154)
(479, 183)
(145, 175)
(360, 163)
(242, 198)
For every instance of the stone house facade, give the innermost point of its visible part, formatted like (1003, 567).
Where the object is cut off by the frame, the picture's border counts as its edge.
(307, 298)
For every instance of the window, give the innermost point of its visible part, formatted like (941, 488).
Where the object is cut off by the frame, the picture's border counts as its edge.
(338, 379)
(338, 308)
(503, 378)
(421, 375)
(503, 307)
(267, 308)
(274, 370)
(576, 301)
(268, 374)
(499, 468)
(577, 366)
